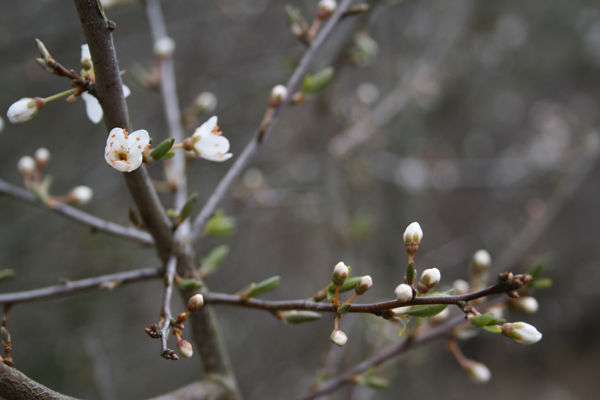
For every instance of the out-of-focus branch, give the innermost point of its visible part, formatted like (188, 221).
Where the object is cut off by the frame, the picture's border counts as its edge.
(15, 385)
(71, 287)
(376, 308)
(243, 159)
(350, 376)
(109, 89)
(171, 104)
(166, 308)
(78, 215)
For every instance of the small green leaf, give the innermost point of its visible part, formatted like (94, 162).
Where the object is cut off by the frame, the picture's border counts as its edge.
(301, 317)
(493, 328)
(185, 284)
(188, 207)
(377, 382)
(426, 310)
(537, 269)
(6, 275)
(262, 287)
(348, 285)
(317, 82)
(486, 319)
(542, 283)
(167, 156)
(162, 149)
(220, 225)
(344, 309)
(411, 273)
(213, 260)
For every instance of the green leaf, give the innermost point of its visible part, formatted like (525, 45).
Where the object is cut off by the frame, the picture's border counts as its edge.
(411, 273)
(170, 154)
(213, 260)
(376, 382)
(541, 283)
(189, 284)
(6, 275)
(426, 310)
(301, 317)
(188, 207)
(486, 319)
(493, 328)
(537, 269)
(317, 82)
(348, 285)
(220, 225)
(162, 149)
(262, 287)
(344, 309)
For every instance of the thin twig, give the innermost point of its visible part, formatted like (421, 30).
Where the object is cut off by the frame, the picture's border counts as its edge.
(292, 85)
(375, 308)
(166, 308)
(71, 287)
(78, 215)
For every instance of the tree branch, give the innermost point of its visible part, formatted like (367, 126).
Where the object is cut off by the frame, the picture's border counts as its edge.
(72, 287)
(166, 308)
(78, 215)
(109, 89)
(251, 148)
(15, 385)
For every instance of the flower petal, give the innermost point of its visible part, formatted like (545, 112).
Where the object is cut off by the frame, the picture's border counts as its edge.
(92, 107)
(212, 144)
(207, 127)
(126, 91)
(218, 157)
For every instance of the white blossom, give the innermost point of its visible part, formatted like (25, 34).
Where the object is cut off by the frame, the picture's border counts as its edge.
(521, 332)
(24, 109)
(124, 150)
(482, 259)
(403, 292)
(93, 108)
(209, 142)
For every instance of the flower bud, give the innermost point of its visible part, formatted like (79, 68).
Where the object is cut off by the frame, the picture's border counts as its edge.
(429, 279)
(404, 292)
(521, 332)
(26, 165)
(412, 238)
(86, 58)
(441, 317)
(363, 285)
(81, 195)
(42, 156)
(477, 371)
(461, 287)
(205, 102)
(325, 8)
(24, 109)
(482, 260)
(195, 302)
(278, 95)
(185, 348)
(164, 47)
(338, 337)
(299, 317)
(529, 304)
(340, 274)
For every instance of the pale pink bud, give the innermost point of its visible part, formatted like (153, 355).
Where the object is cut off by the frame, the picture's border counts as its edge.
(363, 285)
(340, 274)
(185, 348)
(338, 337)
(521, 332)
(195, 302)
(403, 292)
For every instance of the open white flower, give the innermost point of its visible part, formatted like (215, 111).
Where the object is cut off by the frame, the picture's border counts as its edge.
(92, 105)
(124, 150)
(209, 142)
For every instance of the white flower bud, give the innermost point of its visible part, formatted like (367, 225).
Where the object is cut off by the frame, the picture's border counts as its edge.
(497, 310)
(278, 95)
(81, 195)
(403, 292)
(363, 285)
(206, 102)
(340, 274)
(86, 58)
(164, 47)
(478, 372)
(440, 317)
(521, 332)
(482, 260)
(529, 304)
(325, 8)
(24, 109)
(195, 302)
(429, 279)
(42, 156)
(185, 348)
(26, 165)
(401, 310)
(461, 287)
(412, 238)
(338, 337)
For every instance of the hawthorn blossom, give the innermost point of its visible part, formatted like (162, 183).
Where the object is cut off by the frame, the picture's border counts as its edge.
(124, 150)
(93, 108)
(209, 142)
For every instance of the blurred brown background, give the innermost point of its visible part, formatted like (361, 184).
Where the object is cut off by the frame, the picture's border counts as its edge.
(477, 119)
